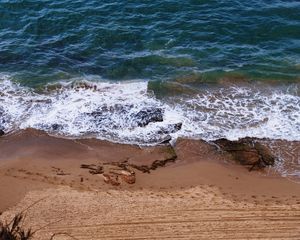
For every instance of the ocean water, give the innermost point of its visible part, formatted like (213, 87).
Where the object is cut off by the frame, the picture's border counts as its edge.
(141, 71)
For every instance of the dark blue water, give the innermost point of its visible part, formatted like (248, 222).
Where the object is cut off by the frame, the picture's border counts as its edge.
(48, 41)
(142, 72)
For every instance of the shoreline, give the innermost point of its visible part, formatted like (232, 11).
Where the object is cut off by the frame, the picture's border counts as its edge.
(133, 113)
(34, 165)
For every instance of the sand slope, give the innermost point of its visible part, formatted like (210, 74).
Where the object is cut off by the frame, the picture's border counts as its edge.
(202, 195)
(195, 213)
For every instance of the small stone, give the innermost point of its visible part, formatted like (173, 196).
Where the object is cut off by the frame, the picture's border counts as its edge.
(111, 179)
(130, 179)
(126, 175)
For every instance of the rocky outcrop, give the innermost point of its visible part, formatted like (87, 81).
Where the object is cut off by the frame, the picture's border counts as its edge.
(115, 172)
(107, 119)
(141, 118)
(169, 157)
(156, 164)
(247, 151)
(112, 172)
(93, 169)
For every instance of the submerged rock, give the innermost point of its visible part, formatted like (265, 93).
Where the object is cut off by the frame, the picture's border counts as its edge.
(56, 127)
(177, 126)
(2, 122)
(166, 140)
(170, 128)
(247, 151)
(107, 113)
(118, 116)
(148, 115)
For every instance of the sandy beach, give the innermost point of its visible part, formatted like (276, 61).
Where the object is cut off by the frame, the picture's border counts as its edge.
(202, 194)
(149, 120)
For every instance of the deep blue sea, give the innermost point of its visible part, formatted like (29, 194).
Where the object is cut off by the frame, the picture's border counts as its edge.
(47, 41)
(140, 71)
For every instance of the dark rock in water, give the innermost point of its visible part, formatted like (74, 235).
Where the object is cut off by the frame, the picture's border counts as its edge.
(2, 132)
(2, 119)
(117, 116)
(170, 128)
(162, 135)
(47, 101)
(56, 127)
(106, 115)
(166, 140)
(148, 115)
(247, 151)
(177, 126)
(51, 127)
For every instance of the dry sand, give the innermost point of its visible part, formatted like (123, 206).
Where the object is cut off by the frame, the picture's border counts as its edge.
(203, 195)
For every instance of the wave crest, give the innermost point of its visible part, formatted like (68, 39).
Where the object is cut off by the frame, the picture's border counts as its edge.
(130, 113)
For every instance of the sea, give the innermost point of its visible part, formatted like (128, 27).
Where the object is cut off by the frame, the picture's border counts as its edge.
(139, 72)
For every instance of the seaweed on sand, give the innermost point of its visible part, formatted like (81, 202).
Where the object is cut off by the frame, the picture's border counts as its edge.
(14, 229)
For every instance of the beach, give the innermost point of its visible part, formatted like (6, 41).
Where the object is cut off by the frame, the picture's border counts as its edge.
(149, 119)
(201, 194)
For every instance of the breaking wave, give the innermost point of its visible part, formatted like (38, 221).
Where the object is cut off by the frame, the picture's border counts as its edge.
(130, 113)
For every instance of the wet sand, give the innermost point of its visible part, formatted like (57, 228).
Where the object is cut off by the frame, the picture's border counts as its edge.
(202, 195)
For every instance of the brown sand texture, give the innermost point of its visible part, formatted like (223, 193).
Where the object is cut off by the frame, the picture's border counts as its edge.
(202, 195)
(194, 213)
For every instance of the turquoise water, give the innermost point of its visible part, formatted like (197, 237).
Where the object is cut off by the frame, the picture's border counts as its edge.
(143, 72)
(49, 41)
(105, 68)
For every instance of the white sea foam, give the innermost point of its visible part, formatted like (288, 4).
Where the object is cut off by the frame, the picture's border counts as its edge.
(107, 111)
(238, 112)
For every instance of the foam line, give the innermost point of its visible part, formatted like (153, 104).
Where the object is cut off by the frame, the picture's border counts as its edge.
(110, 111)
